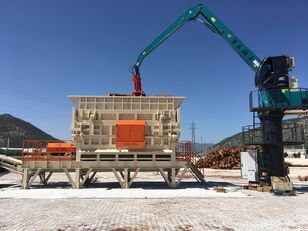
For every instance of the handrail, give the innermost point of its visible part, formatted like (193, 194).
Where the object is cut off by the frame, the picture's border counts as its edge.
(48, 150)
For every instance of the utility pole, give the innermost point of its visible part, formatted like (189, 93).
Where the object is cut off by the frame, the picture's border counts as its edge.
(193, 134)
(7, 145)
(201, 142)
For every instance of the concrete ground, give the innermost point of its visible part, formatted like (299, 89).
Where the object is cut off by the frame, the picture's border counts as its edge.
(151, 205)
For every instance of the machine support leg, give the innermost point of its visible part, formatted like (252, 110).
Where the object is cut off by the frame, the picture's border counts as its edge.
(123, 178)
(77, 178)
(91, 177)
(33, 177)
(133, 177)
(125, 185)
(122, 174)
(165, 177)
(118, 177)
(89, 180)
(70, 178)
(181, 176)
(170, 177)
(173, 183)
(48, 177)
(25, 179)
(169, 174)
(128, 176)
(42, 177)
(86, 177)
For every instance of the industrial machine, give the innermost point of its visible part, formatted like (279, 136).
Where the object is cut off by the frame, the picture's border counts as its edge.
(276, 95)
(122, 134)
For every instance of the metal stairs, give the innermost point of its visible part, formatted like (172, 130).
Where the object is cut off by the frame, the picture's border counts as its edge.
(186, 152)
(196, 172)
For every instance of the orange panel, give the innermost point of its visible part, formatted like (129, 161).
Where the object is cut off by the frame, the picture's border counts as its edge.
(130, 122)
(130, 134)
(137, 133)
(60, 147)
(123, 133)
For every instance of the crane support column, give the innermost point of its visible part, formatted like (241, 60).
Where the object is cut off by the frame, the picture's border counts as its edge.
(273, 157)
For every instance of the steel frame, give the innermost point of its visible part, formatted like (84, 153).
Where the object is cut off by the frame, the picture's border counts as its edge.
(83, 176)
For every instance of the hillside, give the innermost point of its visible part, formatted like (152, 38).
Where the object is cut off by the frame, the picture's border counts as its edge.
(204, 146)
(17, 130)
(231, 141)
(236, 140)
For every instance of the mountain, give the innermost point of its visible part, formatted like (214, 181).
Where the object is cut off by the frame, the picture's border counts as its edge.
(231, 141)
(236, 140)
(17, 130)
(202, 147)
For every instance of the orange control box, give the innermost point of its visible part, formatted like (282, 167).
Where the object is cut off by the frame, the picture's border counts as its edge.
(60, 148)
(130, 134)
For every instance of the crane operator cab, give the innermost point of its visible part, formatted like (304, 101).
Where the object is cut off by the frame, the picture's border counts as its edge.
(277, 90)
(273, 72)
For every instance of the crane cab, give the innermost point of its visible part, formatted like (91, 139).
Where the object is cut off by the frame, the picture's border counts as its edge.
(273, 72)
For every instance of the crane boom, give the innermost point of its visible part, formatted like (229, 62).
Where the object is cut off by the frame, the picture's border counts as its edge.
(214, 24)
(209, 20)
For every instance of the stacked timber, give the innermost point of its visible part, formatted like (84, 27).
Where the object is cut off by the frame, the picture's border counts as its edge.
(224, 158)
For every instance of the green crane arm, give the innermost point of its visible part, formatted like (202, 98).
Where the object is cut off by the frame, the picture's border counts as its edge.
(214, 24)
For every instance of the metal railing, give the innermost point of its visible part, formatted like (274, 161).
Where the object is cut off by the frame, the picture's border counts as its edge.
(292, 134)
(252, 135)
(185, 152)
(283, 99)
(38, 150)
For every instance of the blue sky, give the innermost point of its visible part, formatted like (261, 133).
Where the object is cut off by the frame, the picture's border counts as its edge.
(51, 49)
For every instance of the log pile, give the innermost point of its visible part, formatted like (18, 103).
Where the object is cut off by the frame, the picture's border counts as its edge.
(225, 158)
(303, 178)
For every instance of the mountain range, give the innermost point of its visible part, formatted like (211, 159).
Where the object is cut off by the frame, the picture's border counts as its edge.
(236, 140)
(14, 130)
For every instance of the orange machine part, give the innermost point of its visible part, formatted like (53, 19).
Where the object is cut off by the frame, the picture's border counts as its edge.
(47, 150)
(130, 134)
(60, 148)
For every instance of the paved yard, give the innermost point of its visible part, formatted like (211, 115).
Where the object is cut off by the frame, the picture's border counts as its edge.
(150, 206)
(253, 213)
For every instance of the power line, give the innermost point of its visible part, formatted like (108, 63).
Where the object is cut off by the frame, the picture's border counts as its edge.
(33, 97)
(32, 109)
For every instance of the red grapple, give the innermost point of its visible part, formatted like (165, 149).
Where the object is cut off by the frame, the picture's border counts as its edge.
(137, 86)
